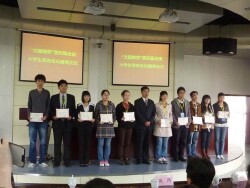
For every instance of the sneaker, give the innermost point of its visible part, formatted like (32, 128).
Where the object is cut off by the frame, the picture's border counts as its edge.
(31, 165)
(106, 163)
(44, 165)
(217, 156)
(164, 160)
(160, 160)
(101, 163)
(221, 157)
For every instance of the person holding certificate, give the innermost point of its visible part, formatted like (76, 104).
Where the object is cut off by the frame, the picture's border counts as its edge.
(194, 128)
(105, 116)
(221, 111)
(38, 114)
(85, 116)
(208, 125)
(62, 107)
(145, 116)
(125, 126)
(162, 129)
(181, 121)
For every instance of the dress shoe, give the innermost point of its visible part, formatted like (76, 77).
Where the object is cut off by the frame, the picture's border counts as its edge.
(126, 161)
(138, 162)
(146, 162)
(67, 164)
(176, 160)
(56, 165)
(183, 160)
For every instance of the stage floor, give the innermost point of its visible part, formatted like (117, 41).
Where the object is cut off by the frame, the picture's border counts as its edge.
(130, 171)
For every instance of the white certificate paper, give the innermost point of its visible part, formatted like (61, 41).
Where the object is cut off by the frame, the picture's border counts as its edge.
(36, 117)
(223, 114)
(129, 116)
(183, 120)
(165, 123)
(197, 120)
(209, 119)
(106, 118)
(62, 113)
(86, 116)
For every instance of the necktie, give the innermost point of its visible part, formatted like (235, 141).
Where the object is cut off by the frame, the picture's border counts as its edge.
(63, 101)
(146, 101)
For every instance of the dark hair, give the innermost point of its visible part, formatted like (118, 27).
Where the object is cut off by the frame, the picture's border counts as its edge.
(221, 94)
(144, 88)
(203, 106)
(40, 77)
(200, 171)
(62, 82)
(103, 91)
(193, 92)
(180, 89)
(99, 183)
(163, 93)
(86, 93)
(123, 92)
(248, 171)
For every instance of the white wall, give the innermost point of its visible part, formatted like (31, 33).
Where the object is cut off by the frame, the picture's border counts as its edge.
(211, 75)
(7, 61)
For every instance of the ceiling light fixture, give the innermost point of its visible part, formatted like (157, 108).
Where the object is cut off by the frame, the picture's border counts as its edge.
(95, 7)
(169, 16)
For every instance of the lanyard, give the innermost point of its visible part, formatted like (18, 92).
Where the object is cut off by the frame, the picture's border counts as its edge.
(222, 108)
(181, 105)
(196, 109)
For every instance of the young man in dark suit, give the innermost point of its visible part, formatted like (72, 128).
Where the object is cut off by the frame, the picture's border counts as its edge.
(145, 114)
(180, 109)
(62, 127)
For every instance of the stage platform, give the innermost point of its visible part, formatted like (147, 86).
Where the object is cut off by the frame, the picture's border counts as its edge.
(131, 174)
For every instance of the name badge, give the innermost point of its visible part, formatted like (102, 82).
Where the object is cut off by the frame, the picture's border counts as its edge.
(182, 115)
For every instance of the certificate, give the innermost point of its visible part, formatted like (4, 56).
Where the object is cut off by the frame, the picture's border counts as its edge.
(183, 120)
(86, 116)
(36, 117)
(129, 116)
(209, 119)
(165, 123)
(223, 115)
(62, 113)
(106, 118)
(197, 120)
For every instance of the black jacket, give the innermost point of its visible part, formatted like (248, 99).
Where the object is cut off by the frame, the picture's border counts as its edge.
(144, 112)
(55, 104)
(80, 108)
(217, 108)
(119, 114)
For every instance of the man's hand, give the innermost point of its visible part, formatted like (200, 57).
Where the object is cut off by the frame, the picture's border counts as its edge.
(147, 123)
(5, 164)
(44, 118)
(69, 118)
(55, 118)
(93, 120)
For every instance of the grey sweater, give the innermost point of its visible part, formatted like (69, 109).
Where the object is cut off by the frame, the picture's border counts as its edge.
(39, 102)
(176, 112)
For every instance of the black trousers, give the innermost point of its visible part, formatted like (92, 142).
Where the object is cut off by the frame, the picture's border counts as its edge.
(143, 135)
(84, 138)
(62, 132)
(179, 141)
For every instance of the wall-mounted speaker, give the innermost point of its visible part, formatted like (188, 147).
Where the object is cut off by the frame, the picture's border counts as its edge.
(219, 46)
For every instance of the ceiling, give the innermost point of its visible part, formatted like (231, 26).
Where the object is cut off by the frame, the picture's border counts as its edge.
(132, 14)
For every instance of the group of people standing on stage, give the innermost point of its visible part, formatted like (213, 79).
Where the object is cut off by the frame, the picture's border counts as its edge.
(149, 120)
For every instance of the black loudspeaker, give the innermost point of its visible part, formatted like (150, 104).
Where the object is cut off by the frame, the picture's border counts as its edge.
(219, 46)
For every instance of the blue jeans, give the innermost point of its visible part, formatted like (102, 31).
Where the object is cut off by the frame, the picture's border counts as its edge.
(103, 149)
(161, 147)
(205, 138)
(40, 129)
(219, 139)
(191, 143)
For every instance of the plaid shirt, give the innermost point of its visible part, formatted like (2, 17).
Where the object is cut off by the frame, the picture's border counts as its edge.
(105, 130)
